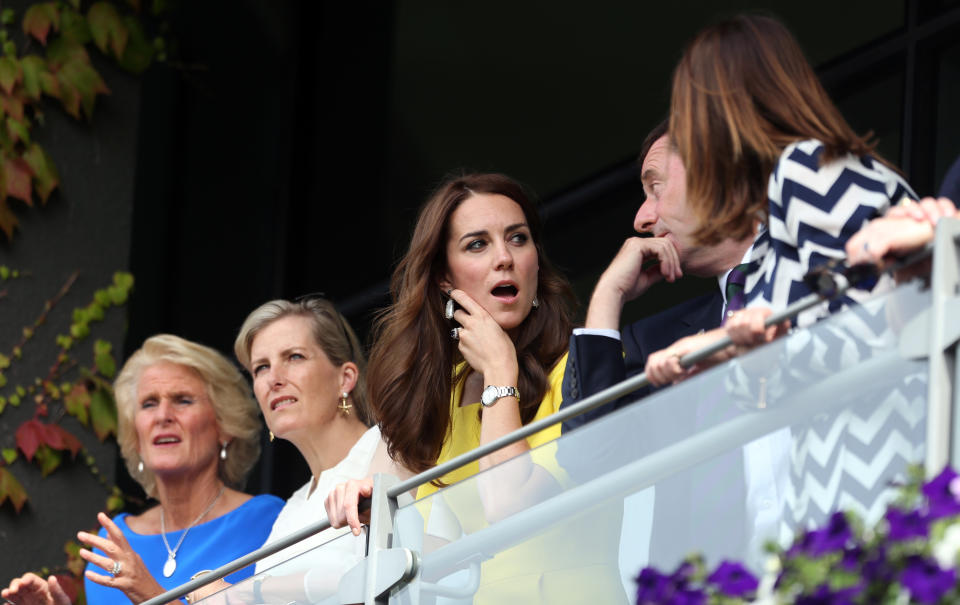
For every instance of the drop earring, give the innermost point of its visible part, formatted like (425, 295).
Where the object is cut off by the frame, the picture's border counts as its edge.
(344, 407)
(140, 466)
(448, 310)
(535, 303)
(271, 435)
(223, 451)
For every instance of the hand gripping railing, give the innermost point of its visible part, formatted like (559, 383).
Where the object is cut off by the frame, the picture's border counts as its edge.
(827, 283)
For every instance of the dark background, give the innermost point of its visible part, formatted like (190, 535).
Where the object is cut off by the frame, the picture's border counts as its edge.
(288, 146)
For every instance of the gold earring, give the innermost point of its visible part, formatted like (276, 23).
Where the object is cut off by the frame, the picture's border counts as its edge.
(271, 435)
(344, 407)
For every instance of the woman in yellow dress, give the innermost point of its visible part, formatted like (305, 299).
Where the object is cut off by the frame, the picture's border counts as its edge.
(476, 298)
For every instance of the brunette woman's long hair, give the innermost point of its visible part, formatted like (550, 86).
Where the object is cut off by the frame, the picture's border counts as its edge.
(742, 93)
(412, 361)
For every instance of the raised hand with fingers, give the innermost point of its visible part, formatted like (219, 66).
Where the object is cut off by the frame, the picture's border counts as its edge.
(343, 504)
(640, 263)
(126, 570)
(747, 329)
(31, 589)
(483, 343)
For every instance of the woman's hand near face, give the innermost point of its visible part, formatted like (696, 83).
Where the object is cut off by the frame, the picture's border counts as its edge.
(134, 580)
(31, 589)
(483, 343)
(343, 504)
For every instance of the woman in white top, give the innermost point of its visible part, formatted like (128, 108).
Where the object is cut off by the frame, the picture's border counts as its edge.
(308, 377)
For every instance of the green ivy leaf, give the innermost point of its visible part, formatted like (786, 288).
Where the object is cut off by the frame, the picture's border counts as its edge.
(77, 402)
(11, 489)
(3, 380)
(7, 16)
(48, 459)
(107, 29)
(38, 20)
(4, 362)
(9, 455)
(3, 403)
(123, 280)
(83, 79)
(14, 400)
(103, 414)
(32, 66)
(8, 220)
(140, 51)
(45, 175)
(10, 73)
(4, 272)
(118, 295)
(115, 503)
(104, 360)
(19, 130)
(73, 27)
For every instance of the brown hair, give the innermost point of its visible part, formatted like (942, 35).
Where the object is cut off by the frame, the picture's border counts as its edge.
(237, 413)
(742, 93)
(412, 360)
(331, 332)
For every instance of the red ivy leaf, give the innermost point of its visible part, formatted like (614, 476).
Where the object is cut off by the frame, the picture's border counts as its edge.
(17, 174)
(12, 105)
(39, 18)
(59, 438)
(12, 489)
(29, 437)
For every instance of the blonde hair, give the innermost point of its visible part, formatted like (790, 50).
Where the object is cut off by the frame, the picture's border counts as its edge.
(237, 413)
(331, 332)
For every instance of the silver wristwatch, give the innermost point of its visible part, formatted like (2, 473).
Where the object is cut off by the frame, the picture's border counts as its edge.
(491, 394)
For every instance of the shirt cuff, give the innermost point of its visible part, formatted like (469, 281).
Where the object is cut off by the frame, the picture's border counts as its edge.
(614, 334)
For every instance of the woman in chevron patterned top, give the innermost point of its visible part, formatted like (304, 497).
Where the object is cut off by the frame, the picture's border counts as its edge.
(768, 153)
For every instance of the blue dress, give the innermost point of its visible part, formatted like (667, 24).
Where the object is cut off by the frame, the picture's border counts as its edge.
(207, 546)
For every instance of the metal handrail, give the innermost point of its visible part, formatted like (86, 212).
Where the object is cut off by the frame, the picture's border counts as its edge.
(827, 291)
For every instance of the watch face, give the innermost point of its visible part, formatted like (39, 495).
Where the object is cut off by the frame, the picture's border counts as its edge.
(489, 395)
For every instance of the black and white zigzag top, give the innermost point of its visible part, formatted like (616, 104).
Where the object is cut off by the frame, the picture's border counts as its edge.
(814, 210)
(844, 460)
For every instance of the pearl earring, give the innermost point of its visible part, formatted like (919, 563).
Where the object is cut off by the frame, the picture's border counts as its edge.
(223, 451)
(140, 466)
(344, 407)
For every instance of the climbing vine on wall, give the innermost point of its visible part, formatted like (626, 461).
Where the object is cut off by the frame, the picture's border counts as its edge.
(52, 62)
(77, 383)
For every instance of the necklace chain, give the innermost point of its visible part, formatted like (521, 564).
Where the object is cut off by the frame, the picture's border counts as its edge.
(163, 527)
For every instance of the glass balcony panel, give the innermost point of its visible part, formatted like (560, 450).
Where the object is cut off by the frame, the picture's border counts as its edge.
(312, 576)
(824, 419)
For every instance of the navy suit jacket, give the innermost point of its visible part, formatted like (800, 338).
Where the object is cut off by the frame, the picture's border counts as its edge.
(692, 512)
(597, 362)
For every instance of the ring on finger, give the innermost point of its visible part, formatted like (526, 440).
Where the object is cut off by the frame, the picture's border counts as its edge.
(117, 568)
(455, 334)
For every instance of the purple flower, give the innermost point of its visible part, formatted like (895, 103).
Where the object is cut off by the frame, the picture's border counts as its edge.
(925, 580)
(824, 596)
(831, 538)
(876, 567)
(733, 579)
(852, 556)
(904, 526)
(654, 588)
(941, 493)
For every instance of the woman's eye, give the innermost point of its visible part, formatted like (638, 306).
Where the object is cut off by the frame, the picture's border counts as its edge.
(257, 369)
(519, 238)
(476, 244)
(185, 400)
(147, 403)
(297, 356)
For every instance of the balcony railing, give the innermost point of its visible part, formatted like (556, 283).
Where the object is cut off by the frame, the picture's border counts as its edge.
(827, 418)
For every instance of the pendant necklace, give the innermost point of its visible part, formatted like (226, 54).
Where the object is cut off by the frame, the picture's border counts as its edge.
(171, 565)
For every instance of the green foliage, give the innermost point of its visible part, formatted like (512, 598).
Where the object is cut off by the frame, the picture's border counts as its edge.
(61, 70)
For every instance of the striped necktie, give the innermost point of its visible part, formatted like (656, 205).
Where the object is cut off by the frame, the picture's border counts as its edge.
(736, 296)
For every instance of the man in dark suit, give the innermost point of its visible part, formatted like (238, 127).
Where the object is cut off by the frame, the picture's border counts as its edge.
(601, 355)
